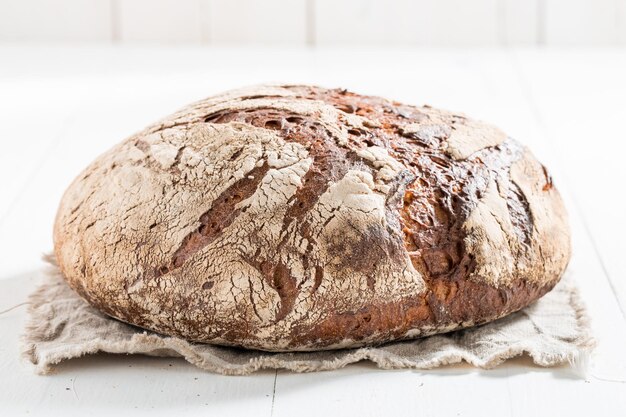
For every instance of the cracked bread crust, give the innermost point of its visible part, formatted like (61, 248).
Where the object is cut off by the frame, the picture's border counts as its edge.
(300, 218)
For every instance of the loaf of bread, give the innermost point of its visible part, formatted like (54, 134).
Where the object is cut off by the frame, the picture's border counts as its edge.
(289, 218)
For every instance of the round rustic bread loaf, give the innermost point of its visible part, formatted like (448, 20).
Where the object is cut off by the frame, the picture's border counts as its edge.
(301, 218)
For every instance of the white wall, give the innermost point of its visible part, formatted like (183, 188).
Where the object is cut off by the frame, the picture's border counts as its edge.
(318, 22)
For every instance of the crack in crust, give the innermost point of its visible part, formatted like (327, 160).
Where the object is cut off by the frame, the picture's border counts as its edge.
(222, 213)
(299, 218)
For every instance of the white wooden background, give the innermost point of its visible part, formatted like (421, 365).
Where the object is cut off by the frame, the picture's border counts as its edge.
(62, 106)
(318, 22)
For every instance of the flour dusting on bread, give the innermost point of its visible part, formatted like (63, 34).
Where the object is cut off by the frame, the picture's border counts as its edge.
(300, 218)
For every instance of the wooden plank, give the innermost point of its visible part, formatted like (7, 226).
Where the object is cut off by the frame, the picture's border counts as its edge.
(364, 22)
(424, 22)
(163, 20)
(520, 22)
(255, 22)
(621, 22)
(365, 391)
(44, 20)
(459, 22)
(580, 22)
(403, 22)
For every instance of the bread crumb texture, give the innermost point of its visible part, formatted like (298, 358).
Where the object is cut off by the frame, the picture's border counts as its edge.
(301, 218)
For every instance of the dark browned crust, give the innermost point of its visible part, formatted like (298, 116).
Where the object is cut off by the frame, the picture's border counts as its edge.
(448, 304)
(219, 216)
(437, 193)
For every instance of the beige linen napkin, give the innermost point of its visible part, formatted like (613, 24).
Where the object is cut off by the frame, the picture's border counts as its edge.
(552, 331)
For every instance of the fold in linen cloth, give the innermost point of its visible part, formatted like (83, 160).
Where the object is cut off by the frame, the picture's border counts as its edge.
(552, 331)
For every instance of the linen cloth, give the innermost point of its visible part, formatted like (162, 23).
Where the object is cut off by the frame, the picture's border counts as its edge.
(552, 331)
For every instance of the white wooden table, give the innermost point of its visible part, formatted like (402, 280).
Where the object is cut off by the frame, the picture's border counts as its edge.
(62, 106)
